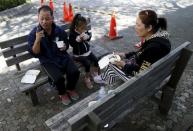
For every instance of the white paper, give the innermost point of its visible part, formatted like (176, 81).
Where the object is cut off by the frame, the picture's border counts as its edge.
(103, 62)
(30, 76)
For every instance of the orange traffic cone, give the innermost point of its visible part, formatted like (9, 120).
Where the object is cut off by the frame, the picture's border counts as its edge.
(112, 34)
(65, 12)
(52, 5)
(71, 14)
(113, 25)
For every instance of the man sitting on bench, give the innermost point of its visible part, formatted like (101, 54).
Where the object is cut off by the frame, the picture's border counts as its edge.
(49, 43)
(156, 46)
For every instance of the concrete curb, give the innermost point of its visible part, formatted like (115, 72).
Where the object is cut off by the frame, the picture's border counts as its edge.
(10, 13)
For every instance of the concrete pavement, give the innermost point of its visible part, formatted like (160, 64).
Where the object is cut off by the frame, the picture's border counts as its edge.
(16, 111)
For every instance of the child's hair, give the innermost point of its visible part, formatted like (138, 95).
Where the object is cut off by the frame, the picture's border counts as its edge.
(77, 22)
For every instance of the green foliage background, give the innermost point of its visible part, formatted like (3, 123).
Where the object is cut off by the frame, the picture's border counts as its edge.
(6, 4)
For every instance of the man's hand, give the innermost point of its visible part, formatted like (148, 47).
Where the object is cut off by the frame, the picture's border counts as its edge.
(39, 35)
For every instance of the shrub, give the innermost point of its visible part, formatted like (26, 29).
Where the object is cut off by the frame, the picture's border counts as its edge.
(6, 4)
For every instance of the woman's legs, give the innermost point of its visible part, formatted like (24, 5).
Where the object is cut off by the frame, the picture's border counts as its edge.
(111, 74)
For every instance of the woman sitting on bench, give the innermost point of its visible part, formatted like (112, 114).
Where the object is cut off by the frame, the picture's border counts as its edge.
(156, 46)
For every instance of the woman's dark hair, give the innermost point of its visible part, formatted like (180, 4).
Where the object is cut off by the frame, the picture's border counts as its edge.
(45, 8)
(77, 21)
(149, 17)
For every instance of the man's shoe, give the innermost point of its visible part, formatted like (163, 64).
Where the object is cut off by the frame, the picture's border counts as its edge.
(98, 79)
(73, 94)
(65, 99)
(88, 83)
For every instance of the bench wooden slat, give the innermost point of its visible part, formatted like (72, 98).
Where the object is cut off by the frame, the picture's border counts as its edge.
(16, 50)
(18, 59)
(13, 42)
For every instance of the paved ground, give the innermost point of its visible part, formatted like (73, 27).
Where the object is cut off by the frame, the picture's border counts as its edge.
(16, 111)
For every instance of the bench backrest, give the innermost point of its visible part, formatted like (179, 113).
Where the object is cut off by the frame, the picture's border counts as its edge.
(15, 50)
(125, 97)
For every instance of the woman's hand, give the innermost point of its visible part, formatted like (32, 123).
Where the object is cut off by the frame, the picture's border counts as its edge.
(119, 64)
(121, 54)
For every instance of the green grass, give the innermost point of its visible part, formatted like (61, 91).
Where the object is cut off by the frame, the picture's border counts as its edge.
(7, 4)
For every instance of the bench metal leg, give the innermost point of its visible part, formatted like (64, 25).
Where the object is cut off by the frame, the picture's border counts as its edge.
(34, 97)
(166, 100)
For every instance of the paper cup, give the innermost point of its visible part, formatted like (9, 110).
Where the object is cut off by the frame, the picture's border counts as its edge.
(60, 44)
(91, 103)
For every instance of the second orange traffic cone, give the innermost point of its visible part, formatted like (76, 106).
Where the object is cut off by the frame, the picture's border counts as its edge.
(65, 12)
(52, 5)
(112, 34)
(70, 13)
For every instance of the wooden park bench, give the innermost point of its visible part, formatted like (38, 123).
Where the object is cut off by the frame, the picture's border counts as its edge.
(162, 75)
(15, 52)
